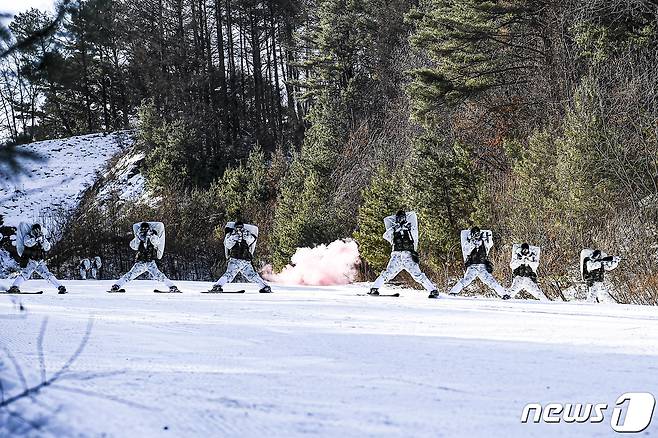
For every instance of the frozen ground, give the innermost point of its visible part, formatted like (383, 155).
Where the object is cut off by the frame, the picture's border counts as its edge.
(319, 361)
(57, 184)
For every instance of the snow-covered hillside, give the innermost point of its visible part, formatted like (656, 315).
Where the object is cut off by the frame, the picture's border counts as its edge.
(71, 166)
(319, 361)
(124, 181)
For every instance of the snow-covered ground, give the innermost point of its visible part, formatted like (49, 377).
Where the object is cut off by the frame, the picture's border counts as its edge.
(319, 361)
(124, 181)
(57, 184)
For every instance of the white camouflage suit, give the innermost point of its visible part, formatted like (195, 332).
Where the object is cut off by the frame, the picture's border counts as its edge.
(38, 266)
(141, 267)
(520, 282)
(476, 270)
(525, 283)
(598, 291)
(85, 265)
(401, 260)
(237, 266)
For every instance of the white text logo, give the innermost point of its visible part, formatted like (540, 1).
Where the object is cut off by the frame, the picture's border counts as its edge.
(632, 413)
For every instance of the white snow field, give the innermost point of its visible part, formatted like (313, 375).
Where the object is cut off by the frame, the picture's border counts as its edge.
(318, 361)
(57, 184)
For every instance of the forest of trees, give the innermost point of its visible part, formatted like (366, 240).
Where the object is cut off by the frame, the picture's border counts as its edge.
(316, 119)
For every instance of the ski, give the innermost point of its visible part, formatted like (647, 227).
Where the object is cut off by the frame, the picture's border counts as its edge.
(223, 292)
(120, 291)
(166, 292)
(379, 295)
(22, 293)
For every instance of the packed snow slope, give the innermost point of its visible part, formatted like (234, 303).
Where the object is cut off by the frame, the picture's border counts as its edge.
(318, 361)
(70, 166)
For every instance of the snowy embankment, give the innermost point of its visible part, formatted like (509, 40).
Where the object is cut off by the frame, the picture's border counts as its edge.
(320, 361)
(57, 184)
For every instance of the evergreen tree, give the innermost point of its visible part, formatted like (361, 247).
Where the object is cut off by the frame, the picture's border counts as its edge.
(164, 146)
(383, 197)
(243, 189)
(563, 193)
(304, 215)
(443, 189)
(477, 46)
(583, 190)
(350, 40)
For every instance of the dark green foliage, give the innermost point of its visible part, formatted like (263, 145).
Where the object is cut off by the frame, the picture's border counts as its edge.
(443, 189)
(164, 144)
(476, 46)
(244, 190)
(562, 187)
(305, 215)
(605, 30)
(384, 196)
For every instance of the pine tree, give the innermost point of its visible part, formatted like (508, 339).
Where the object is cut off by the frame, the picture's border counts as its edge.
(307, 213)
(562, 190)
(383, 197)
(584, 192)
(243, 189)
(476, 46)
(443, 188)
(164, 145)
(304, 216)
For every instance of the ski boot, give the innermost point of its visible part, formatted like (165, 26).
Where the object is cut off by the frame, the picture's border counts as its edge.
(373, 291)
(13, 290)
(434, 294)
(266, 290)
(216, 289)
(114, 288)
(506, 297)
(61, 290)
(174, 290)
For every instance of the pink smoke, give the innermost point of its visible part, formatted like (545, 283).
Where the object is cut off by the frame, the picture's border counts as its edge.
(324, 265)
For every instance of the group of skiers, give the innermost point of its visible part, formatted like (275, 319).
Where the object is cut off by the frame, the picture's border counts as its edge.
(149, 242)
(32, 242)
(402, 234)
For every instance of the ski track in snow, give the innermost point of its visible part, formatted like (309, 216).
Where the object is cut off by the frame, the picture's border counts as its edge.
(320, 361)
